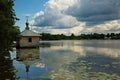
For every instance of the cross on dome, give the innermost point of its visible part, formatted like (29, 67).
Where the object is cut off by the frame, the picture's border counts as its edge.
(27, 24)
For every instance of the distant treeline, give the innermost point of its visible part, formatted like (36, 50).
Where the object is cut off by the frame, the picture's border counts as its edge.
(48, 36)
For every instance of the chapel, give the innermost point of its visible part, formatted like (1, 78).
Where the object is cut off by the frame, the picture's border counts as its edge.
(29, 38)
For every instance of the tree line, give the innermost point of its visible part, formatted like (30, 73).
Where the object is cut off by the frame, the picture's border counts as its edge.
(48, 36)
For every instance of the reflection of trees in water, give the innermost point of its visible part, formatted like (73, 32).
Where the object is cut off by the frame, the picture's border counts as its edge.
(96, 67)
(51, 43)
(7, 70)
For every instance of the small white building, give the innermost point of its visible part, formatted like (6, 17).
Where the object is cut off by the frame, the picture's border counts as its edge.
(29, 38)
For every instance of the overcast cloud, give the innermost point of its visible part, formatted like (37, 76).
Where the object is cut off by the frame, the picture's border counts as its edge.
(95, 11)
(78, 16)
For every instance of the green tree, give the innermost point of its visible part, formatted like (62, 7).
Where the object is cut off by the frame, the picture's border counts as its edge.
(8, 32)
(7, 70)
(72, 36)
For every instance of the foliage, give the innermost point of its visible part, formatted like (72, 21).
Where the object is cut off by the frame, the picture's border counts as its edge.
(7, 70)
(8, 32)
(47, 36)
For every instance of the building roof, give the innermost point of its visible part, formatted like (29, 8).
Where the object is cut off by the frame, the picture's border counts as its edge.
(29, 33)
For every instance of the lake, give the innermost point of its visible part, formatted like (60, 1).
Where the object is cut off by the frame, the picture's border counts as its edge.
(68, 60)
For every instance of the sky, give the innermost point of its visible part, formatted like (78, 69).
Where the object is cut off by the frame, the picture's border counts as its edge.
(69, 16)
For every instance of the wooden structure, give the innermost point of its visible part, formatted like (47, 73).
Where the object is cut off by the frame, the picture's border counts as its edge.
(29, 39)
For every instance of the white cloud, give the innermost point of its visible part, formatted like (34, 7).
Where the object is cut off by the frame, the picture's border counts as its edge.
(108, 27)
(54, 15)
(73, 16)
(38, 14)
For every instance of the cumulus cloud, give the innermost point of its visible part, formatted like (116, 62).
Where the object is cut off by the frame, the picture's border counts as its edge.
(54, 15)
(108, 27)
(78, 16)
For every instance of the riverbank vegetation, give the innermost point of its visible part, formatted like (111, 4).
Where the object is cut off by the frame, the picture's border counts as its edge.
(8, 32)
(110, 36)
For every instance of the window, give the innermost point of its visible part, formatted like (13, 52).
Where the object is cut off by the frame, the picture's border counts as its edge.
(29, 39)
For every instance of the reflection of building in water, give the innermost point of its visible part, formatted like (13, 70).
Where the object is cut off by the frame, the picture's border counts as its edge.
(28, 57)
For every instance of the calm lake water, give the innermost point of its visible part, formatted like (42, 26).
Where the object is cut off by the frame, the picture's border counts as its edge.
(68, 60)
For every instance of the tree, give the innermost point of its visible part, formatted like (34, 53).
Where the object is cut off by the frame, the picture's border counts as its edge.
(72, 36)
(7, 70)
(8, 31)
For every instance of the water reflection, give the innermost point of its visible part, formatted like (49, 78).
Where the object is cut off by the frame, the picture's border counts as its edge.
(83, 60)
(28, 57)
(66, 60)
(29, 65)
(7, 70)
(109, 48)
(51, 43)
